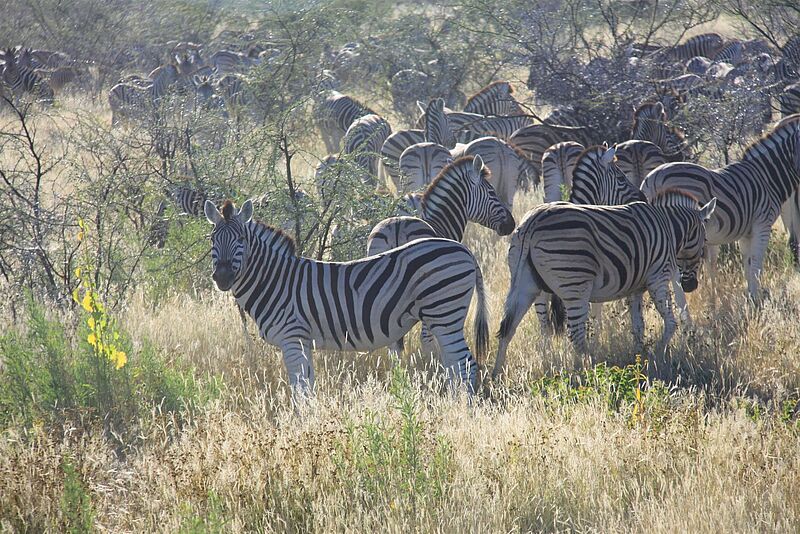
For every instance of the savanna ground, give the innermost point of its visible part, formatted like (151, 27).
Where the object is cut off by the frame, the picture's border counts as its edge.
(179, 423)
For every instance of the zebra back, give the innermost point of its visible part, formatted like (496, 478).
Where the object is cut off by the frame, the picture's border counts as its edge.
(364, 140)
(437, 127)
(494, 99)
(420, 164)
(705, 44)
(637, 158)
(558, 164)
(597, 180)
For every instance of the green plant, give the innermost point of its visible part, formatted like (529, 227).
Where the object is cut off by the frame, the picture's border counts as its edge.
(76, 503)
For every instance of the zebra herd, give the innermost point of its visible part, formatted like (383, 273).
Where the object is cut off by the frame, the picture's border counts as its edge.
(640, 217)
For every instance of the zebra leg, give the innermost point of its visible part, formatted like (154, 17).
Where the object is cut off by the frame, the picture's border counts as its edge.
(459, 364)
(577, 314)
(518, 302)
(680, 302)
(428, 342)
(753, 249)
(661, 297)
(596, 312)
(297, 359)
(540, 305)
(637, 321)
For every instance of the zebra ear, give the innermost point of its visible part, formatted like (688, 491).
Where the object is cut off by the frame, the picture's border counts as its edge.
(212, 213)
(246, 213)
(708, 210)
(477, 167)
(608, 156)
(659, 108)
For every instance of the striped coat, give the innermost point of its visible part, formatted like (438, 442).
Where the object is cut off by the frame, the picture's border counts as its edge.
(587, 254)
(298, 303)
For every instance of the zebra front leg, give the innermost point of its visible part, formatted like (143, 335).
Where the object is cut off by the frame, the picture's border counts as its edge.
(661, 297)
(680, 302)
(297, 359)
(637, 321)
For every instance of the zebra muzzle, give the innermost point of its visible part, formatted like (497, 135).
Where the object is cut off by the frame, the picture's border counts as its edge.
(223, 277)
(689, 283)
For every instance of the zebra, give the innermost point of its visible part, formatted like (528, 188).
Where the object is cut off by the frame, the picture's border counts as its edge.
(473, 128)
(21, 78)
(732, 52)
(437, 124)
(535, 139)
(461, 192)
(364, 139)
(650, 124)
(494, 99)
(509, 165)
(705, 44)
(334, 115)
(636, 158)
(684, 85)
(698, 65)
(393, 148)
(128, 100)
(558, 163)
(299, 303)
(420, 164)
(188, 200)
(596, 180)
(750, 193)
(591, 253)
(228, 62)
(789, 100)
(59, 77)
(162, 79)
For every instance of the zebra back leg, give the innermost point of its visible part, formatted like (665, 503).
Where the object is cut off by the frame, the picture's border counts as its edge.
(520, 297)
(753, 249)
(459, 364)
(297, 359)
(577, 313)
(540, 305)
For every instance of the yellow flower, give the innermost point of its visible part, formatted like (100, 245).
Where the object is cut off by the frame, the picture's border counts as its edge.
(87, 302)
(80, 236)
(92, 339)
(120, 358)
(78, 272)
(75, 295)
(90, 322)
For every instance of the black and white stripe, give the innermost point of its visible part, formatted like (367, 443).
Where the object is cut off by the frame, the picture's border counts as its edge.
(638, 158)
(558, 163)
(334, 115)
(420, 164)
(750, 192)
(364, 140)
(789, 100)
(705, 44)
(650, 124)
(496, 99)
(300, 304)
(587, 254)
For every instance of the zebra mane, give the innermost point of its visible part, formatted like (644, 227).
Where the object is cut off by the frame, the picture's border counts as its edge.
(594, 149)
(780, 132)
(515, 148)
(227, 210)
(672, 196)
(279, 239)
(489, 88)
(486, 173)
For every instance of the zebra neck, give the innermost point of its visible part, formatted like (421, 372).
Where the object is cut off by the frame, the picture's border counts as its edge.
(269, 252)
(680, 219)
(446, 216)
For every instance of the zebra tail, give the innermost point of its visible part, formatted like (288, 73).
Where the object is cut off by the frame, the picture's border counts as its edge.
(481, 324)
(558, 314)
(515, 265)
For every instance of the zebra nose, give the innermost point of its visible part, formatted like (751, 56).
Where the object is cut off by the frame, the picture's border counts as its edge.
(689, 283)
(508, 225)
(223, 276)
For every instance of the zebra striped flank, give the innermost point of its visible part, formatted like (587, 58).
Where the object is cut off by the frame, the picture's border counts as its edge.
(494, 99)
(558, 163)
(420, 164)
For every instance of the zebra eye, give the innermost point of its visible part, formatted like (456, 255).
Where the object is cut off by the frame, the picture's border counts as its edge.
(240, 240)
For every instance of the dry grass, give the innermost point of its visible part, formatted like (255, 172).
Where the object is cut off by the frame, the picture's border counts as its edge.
(699, 458)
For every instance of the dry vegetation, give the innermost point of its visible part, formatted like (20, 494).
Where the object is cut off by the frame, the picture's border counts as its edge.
(555, 446)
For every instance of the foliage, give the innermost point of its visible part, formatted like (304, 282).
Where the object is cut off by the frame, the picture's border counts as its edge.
(76, 503)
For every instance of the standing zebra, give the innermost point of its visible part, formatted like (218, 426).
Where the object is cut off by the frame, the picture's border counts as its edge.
(650, 124)
(299, 303)
(749, 192)
(509, 165)
(705, 44)
(334, 115)
(460, 193)
(128, 100)
(21, 78)
(637, 158)
(420, 164)
(533, 140)
(587, 254)
(364, 139)
(558, 163)
(494, 99)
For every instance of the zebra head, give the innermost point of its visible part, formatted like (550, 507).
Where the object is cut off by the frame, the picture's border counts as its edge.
(649, 122)
(691, 254)
(597, 179)
(229, 248)
(483, 205)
